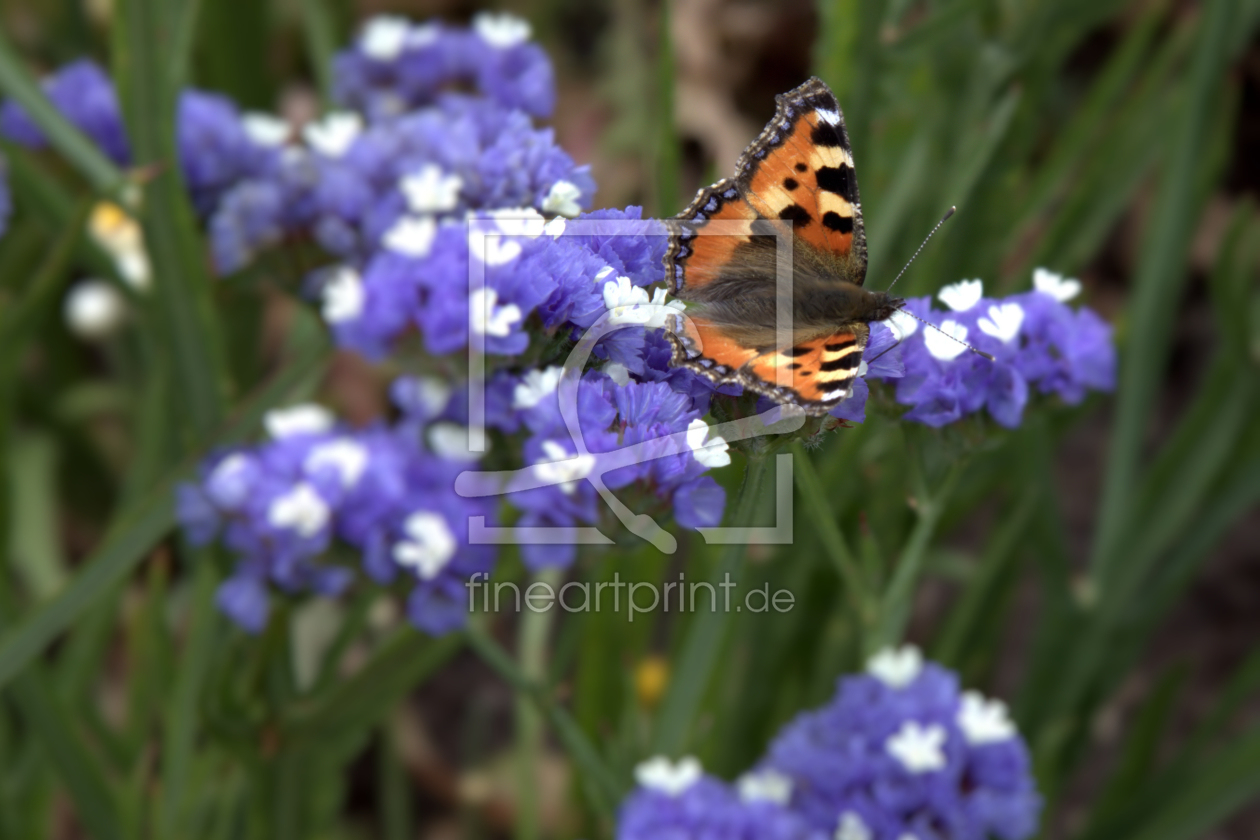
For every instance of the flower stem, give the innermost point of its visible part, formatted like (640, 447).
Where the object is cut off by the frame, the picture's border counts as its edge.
(815, 498)
(707, 632)
(895, 609)
(531, 656)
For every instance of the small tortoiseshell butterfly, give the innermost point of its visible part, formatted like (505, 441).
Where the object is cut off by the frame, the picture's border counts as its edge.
(799, 170)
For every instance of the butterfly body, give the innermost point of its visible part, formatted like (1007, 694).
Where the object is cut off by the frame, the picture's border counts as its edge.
(739, 284)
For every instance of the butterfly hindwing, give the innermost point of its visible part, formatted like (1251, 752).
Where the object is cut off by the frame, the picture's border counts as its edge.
(801, 169)
(820, 371)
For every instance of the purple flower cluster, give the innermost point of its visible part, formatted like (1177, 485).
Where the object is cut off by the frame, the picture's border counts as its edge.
(383, 491)
(1036, 339)
(899, 753)
(85, 95)
(396, 66)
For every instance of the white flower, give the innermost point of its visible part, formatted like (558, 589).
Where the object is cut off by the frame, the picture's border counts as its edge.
(265, 130)
(562, 198)
(343, 296)
(450, 441)
(516, 221)
(120, 236)
(767, 785)
(1062, 290)
(228, 483)
(431, 190)
(500, 251)
(301, 510)
(334, 134)
(984, 721)
(559, 467)
(490, 318)
(621, 293)
(918, 748)
(411, 236)
(429, 547)
(941, 345)
(1003, 322)
(303, 419)
(903, 324)
(852, 827)
(618, 373)
(712, 454)
(429, 393)
(663, 775)
(384, 37)
(962, 295)
(555, 228)
(896, 667)
(502, 30)
(348, 457)
(94, 309)
(536, 386)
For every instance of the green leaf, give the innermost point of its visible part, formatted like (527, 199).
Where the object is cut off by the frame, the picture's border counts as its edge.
(136, 530)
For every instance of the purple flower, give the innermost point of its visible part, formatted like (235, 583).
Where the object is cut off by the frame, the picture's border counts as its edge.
(1035, 340)
(679, 802)
(901, 751)
(84, 94)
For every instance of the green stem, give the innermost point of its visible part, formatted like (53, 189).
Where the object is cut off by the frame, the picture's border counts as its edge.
(899, 596)
(824, 520)
(601, 784)
(706, 635)
(532, 658)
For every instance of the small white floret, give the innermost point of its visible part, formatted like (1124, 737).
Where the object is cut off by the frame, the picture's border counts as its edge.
(1003, 322)
(384, 37)
(1055, 285)
(920, 749)
(661, 774)
(618, 373)
(301, 510)
(558, 467)
(348, 457)
(500, 251)
(334, 134)
(302, 419)
(450, 441)
(713, 452)
(563, 199)
(962, 295)
(501, 30)
(429, 547)
(903, 324)
(343, 296)
(896, 667)
(852, 827)
(430, 393)
(555, 228)
(411, 236)
(767, 785)
(431, 189)
(489, 317)
(94, 309)
(536, 386)
(984, 721)
(119, 235)
(265, 130)
(941, 344)
(516, 221)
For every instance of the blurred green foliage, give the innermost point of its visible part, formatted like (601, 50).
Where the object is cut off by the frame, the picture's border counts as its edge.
(966, 102)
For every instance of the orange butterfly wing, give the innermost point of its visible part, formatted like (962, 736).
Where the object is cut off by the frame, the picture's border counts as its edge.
(799, 169)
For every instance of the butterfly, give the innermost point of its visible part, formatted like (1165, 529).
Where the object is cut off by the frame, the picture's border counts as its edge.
(799, 171)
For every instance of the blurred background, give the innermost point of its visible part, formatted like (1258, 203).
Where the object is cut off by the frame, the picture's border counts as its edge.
(1117, 141)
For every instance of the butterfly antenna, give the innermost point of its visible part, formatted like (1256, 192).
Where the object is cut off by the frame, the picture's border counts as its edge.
(944, 218)
(980, 353)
